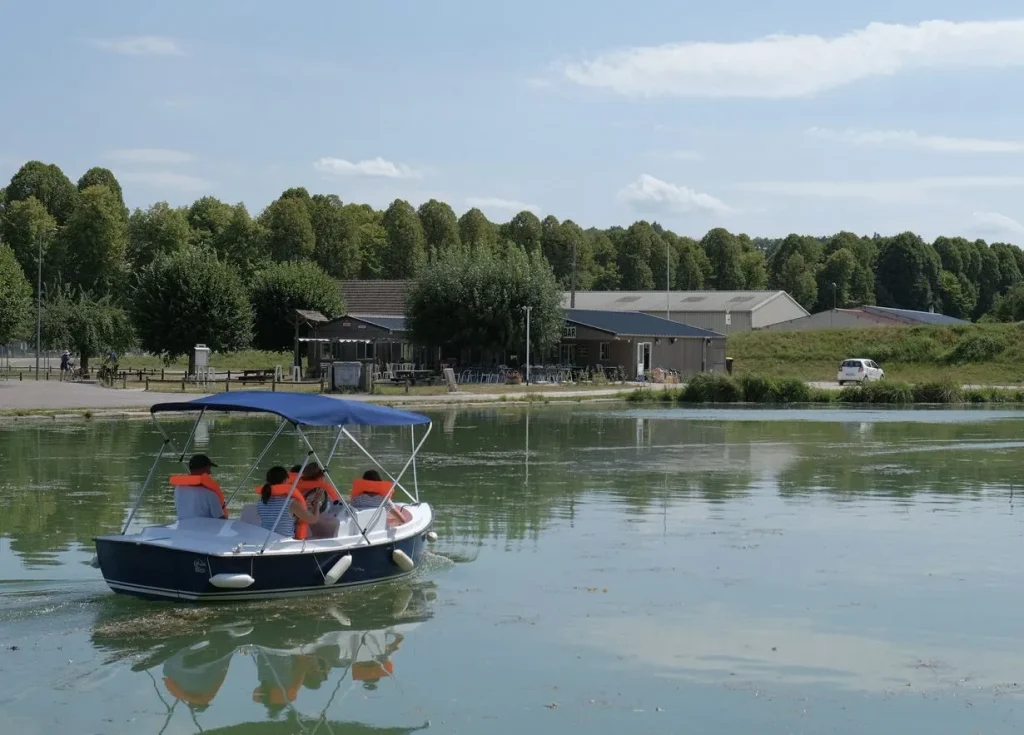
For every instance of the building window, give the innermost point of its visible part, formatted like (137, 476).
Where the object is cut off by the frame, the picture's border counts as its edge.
(604, 351)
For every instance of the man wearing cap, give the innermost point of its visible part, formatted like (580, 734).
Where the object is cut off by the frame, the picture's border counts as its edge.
(197, 494)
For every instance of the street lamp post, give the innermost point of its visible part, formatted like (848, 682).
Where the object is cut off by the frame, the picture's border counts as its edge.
(39, 297)
(527, 310)
(668, 281)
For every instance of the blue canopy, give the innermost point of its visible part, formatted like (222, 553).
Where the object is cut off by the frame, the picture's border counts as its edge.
(299, 408)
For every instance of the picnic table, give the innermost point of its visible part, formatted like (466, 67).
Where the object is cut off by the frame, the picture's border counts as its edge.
(413, 376)
(256, 376)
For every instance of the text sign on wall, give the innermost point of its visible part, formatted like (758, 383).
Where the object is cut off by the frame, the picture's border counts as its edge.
(568, 332)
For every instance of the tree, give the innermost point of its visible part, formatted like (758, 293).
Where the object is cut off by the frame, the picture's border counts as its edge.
(725, 255)
(692, 266)
(281, 288)
(288, 230)
(953, 301)
(797, 279)
(94, 241)
(188, 298)
(15, 296)
(565, 246)
(634, 248)
(440, 227)
(48, 184)
(97, 176)
(473, 298)
(1009, 270)
(405, 253)
(208, 217)
(475, 230)
(605, 269)
(156, 231)
(85, 324)
(908, 273)
(989, 278)
(240, 242)
(524, 230)
(1009, 307)
(755, 270)
(839, 269)
(24, 226)
(337, 237)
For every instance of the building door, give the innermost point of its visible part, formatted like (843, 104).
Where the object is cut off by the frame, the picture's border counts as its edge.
(643, 358)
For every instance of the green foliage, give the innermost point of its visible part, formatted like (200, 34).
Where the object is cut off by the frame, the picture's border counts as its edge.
(208, 217)
(887, 392)
(25, 226)
(475, 230)
(281, 288)
(405, 252)
(15, 296)
(474, 298)
(711, 388)
(760, 389)
(337, 237)
(524, 230)
(725, 256)
(440, 226)
(84, 324)
(48, 184)
(288, 230)
(93, 243)
(975, 348)
(937, 392)
(97, 176)
(188, 298)
(635, 247)
(908, 273)
(156, 231)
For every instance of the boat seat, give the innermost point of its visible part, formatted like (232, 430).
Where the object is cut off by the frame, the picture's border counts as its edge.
(250, 514)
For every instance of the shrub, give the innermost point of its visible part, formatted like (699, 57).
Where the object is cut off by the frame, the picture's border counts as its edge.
(758, 389)
(820, 395)
(884, 392)
(975, 348)
(792, 390)
(711, 388)
(937, 392)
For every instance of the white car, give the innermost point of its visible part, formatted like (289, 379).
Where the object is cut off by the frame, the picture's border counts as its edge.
(859, 370)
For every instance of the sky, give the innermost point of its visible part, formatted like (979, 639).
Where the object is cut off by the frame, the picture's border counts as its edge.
(765, 118)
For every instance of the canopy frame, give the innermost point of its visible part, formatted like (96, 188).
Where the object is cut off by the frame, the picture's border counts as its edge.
(168, 445)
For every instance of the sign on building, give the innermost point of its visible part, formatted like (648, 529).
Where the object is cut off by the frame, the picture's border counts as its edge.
(568, 332)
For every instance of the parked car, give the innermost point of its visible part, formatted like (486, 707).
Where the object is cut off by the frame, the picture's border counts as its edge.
(859, 370)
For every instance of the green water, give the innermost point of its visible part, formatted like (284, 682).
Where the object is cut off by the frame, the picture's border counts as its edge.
(599, 570)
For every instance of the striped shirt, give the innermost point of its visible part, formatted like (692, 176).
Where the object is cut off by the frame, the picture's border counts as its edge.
(268, 514)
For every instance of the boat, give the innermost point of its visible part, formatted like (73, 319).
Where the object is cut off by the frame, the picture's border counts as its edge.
(351, 647)
(223, 560)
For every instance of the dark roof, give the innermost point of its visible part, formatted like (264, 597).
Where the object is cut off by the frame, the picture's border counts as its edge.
(309, 315)
(633, 324)
(374, 297)
(390, 323)
(299, 408)
(918, 317)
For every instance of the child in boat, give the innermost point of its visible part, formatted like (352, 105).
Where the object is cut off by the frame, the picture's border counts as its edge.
(370, 491)
(273, 496)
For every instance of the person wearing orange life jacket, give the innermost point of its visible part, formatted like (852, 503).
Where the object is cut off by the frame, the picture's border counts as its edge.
(317, 489)
(197, 494)
(370, 492)
(274, 495)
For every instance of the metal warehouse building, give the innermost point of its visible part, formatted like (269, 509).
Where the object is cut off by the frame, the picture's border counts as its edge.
(865, 316)
(725, 312)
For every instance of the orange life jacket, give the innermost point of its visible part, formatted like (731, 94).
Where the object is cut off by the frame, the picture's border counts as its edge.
(197, 698)
(371, 670)
(204, 481)
(380, 488)
(320, 483)
(281, 491)
(281, 695)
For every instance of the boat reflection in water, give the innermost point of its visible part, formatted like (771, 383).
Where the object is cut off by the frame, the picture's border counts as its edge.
(352, 641)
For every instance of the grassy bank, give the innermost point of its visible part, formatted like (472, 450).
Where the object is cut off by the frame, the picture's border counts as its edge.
(973, 354)
(718, 388)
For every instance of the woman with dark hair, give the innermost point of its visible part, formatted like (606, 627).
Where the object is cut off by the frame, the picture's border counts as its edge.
(274, 494)
(371, 492)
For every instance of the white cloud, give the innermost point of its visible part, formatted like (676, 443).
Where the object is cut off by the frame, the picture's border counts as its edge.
(373, 168)
(883, 191)
(151, 156)
(648, 194)
(995, 223)
(912, 139)
(140, 46)
(505, 205)
(165, 180)
(780, 66)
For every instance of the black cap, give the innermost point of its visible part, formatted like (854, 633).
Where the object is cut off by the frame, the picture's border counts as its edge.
(200, 462)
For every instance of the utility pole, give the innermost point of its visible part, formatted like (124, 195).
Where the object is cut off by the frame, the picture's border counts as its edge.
(668, 281)
(527, 310)
(39, 297)
(572, 295)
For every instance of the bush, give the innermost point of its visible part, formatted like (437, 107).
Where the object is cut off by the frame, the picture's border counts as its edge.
(792, 390)
(884, 392)
(281, 288)
(937, 393)
(819, 395)
(711, 388)
(975, 348)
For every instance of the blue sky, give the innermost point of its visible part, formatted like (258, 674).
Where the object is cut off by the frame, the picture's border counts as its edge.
(867, 116)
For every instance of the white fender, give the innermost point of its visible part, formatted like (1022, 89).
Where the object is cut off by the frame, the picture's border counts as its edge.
(431, 536)
(402, 559)
(94, 562)
(341, 617)
(340, 567)
(231, 581)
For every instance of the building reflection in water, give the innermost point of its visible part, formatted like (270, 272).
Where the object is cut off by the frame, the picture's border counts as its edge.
(305, 647)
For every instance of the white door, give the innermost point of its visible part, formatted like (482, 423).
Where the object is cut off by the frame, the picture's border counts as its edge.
(643, 358)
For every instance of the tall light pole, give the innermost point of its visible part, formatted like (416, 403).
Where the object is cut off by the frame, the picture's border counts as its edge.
(527, 310)
(668, 280)
(39, 297)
